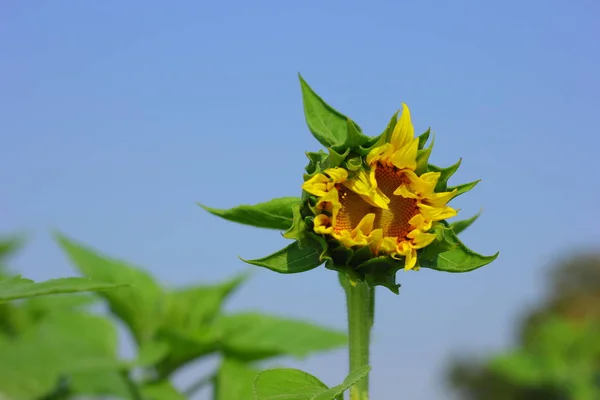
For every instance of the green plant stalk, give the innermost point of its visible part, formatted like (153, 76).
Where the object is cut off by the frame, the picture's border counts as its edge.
(360, 301)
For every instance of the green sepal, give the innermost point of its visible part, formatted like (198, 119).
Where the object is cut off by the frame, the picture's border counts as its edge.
(336, 158)
(459, 226)
(296, 257)
(423, 137)
(381, 271)
(273, 214)
(422, 160)
(384, 137)
(318, 161)
(354, 163)
(328, 126)
(445, 174)
(464, 188)
(354, 137)
(447, 253)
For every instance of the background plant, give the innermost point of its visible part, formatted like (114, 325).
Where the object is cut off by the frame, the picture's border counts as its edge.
(557, 352)
(60, 347)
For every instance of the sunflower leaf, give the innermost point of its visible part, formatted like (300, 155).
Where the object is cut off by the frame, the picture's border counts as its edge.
(449, 254)
(297, 257)
(446, 173)
(273, 214)
(317, 162)
(460, 226)
(327, 125)
(464, 188)
(423, 137)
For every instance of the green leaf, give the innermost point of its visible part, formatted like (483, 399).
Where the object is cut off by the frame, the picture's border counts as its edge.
(287, 384)
(21, 288)
(449, 254)
(273, 214)
(61, 344)
(317, 162)
(161, 390)
(423, 160)
(459, 226)
(234, 380)
(139, 306)
(354, 376)
(384, 137)
(354, 137)
(98, 383)
(327, 125)
(464, 188)
(8, 246)
(253, 336)
(292, 259)
(445, 174)
(423, 137)
(293, 384)
(187, 326)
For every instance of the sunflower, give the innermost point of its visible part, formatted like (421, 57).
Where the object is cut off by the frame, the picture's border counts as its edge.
(385, 205)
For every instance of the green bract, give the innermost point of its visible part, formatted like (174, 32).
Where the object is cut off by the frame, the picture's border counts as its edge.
(366, 250)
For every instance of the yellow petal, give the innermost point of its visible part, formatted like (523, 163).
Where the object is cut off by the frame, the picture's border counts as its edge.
(404, 132)
(440, 199)
(420, 239)
(388, 245)
(406, 192)
(380, 154)
(420, 223)
(330, 202)
(425, 183)
(365, 185)
(436, 213)
(316, 185)
(323, 225)
(375, 238)
(406, 156)
(365, 226)
(337, 174)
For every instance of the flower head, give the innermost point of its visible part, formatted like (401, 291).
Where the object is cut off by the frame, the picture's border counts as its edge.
(370, 205)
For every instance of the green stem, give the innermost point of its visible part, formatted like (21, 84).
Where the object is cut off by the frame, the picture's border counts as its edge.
(360, 300)
(134, 390)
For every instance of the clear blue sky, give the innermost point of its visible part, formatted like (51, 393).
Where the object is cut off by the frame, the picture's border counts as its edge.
(115, 117)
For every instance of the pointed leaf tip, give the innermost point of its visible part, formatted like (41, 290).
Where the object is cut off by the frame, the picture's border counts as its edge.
(273, 214)
(459, 226)
(327, 125)
(291, 259)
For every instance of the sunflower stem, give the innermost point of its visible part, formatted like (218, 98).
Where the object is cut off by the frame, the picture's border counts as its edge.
(360, 301)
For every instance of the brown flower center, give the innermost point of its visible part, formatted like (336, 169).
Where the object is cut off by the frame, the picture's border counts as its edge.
(393, 221)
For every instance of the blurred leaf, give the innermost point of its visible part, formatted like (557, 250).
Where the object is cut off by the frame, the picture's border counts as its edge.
(151, 353)
(234, 380)
(20, 288)
(162, 390)
(60, 344)
(98, 383)
(273, 214)
(8, 246)
(140, 306)
(187, 324)
(253, 336)
(287, 384)
(354, 376)
(293, 384)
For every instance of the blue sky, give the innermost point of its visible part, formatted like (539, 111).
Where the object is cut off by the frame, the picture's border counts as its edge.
(116, 117)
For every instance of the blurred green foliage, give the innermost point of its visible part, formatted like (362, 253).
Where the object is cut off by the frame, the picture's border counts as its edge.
(58, 348)
(557, 355)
